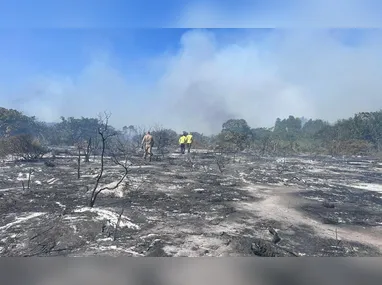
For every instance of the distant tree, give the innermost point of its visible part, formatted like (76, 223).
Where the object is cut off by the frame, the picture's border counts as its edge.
(368, 127)
(13, 122)
(263, 137)
(81, 132)
(164, 138)
(235, 134)
(312, 127)
(200, 140)
(288, 130)
(24, 146)
(137, 133)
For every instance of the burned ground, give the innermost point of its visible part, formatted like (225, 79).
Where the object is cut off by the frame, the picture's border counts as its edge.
(200, 204)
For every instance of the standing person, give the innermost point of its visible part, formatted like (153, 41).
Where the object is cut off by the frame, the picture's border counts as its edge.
(189, 142)
(182, 142)
(147, 144)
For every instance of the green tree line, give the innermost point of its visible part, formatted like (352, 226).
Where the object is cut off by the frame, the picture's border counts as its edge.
(360, 134)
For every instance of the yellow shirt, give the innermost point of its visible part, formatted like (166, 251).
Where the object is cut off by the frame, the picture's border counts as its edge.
(189, 139)
(182, 139)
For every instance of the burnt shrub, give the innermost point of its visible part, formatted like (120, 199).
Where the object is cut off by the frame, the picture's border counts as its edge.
(24, 146)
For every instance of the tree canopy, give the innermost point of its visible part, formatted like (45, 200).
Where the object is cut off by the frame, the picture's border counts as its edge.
(363, 132)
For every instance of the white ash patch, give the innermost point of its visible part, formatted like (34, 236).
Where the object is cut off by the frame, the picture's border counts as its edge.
(315, 199)
(61, 205)
(127, 163)
(73, 219)
(5, 167)
(199, 190)
(104, 214)
(22, 219)
(168, 188)
(10, 189)
(281, 160)
(200, 150)
(340, 220)
(140, 178)
(195, 246)
(74, 227)
(173, 187)
(142, 166)
(8, 158)
(368, 186)
(66, 156)
(105, 239)
(89, 175)
(117, 192)
(24, 176)
(316, 170)
(100, 249)
(149, 236)
(175, 155)
(52, 181)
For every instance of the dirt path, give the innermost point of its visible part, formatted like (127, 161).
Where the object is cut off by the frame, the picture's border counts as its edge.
(281, 206)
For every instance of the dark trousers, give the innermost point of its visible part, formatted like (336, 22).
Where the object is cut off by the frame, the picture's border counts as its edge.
(188, 147)
(182, 148)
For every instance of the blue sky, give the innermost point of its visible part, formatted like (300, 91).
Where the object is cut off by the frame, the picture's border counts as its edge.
(115, 13)
(52, 64)
(185, 13)
(94, 13)
(25, 52)
(67, 50)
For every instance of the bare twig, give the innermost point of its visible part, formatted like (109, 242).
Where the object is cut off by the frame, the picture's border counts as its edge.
(105, 135)
(220, 164)
(88, 150)
(29, 177)
(117, 224)
(79, 164)
(276, 238)
(337, 240)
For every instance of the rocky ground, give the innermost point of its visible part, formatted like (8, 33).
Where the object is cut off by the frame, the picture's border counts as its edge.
(199, 204)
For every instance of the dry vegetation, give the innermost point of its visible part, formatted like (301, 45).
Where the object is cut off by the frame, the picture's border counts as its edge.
(202, 204)
(81, 187)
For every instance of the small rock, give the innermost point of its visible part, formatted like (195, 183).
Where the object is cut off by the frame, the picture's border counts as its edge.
(199, 190)
(328, 205)
(276, 239)
(49, 164)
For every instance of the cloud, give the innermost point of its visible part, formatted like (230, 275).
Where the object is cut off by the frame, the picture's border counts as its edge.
(305, 73)
(308, 73)
(98, 87)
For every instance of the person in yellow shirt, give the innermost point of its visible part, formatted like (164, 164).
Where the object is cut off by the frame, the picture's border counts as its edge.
(182, 142)
(189, 139)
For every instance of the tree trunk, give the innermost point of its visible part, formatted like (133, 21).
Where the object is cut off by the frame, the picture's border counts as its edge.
(92, 201)
(79, 164)
(87, 154)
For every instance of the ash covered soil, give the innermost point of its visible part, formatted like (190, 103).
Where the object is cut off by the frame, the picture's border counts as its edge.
(187, 206)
